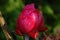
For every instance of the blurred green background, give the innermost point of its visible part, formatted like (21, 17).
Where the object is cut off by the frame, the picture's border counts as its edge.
(12, 8)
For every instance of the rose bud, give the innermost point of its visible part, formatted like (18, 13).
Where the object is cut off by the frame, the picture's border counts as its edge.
(30, 21)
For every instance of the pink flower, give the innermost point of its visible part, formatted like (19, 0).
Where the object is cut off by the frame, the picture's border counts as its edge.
(30, 21)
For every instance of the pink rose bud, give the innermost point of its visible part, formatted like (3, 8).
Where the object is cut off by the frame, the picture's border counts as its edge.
(30, 21)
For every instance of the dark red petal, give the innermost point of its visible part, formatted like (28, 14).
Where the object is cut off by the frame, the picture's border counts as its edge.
(43, 29)
(33, 35)
(18, 32)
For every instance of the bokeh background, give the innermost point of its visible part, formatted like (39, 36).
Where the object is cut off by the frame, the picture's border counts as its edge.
(12, 8)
